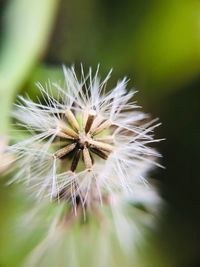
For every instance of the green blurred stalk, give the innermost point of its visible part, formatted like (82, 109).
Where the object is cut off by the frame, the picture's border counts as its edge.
(26, 31)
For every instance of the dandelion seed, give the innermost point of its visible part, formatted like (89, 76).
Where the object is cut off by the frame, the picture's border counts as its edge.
(87, 143)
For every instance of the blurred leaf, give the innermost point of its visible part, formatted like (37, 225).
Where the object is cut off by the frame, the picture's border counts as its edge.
(27, 27)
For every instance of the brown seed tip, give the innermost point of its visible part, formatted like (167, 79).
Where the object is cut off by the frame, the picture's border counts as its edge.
(87, 158)
(72, 119)
(89, 121)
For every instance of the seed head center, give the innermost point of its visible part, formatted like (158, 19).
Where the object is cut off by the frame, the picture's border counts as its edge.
(83, 140)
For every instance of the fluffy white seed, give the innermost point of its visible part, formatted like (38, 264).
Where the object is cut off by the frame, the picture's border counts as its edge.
(122, 156)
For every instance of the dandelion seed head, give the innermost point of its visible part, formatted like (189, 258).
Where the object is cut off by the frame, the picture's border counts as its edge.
(86, 142)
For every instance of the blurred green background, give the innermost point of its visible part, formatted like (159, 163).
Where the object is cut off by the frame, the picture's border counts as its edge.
(157, 45)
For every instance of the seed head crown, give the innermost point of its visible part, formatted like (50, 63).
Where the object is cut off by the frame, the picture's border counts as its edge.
(86, 141)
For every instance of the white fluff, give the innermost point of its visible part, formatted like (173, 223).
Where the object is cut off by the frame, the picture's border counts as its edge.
(126, 166)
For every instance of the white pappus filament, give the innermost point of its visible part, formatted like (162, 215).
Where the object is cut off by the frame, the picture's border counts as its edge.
(86, 142)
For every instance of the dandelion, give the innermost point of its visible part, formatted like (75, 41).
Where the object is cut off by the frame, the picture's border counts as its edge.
(87, 145)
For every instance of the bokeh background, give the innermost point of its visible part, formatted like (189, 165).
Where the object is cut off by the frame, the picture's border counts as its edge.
(157, 45)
